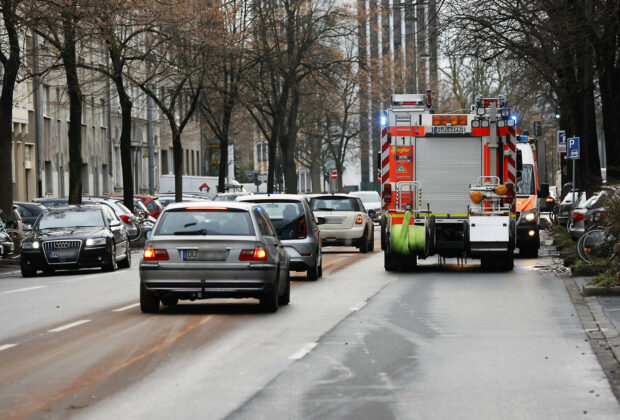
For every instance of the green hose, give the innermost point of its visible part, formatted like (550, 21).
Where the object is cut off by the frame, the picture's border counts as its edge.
(405, 239)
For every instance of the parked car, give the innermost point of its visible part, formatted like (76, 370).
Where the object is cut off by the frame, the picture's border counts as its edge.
(566, 206)
(371, 201)
(52, 201)
(344, 221)
(213, 249)
(296, 227)
(28, 212)
(127, 217)
(229, 196)
(167, 199)
(152, 203)
(596, 213)
(75, 237)
(548, 204)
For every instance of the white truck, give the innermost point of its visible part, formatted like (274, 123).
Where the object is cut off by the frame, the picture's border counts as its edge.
(198, 185)
(447, 183)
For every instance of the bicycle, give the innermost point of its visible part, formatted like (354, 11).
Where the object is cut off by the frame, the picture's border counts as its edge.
(596, 243)
(16, 237)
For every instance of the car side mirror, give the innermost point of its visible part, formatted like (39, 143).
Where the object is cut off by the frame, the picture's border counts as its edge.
(543, 192)
(371, 214)
(147, 234)
(320, 220)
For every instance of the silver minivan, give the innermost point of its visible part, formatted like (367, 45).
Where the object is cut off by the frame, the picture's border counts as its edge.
(297, 228)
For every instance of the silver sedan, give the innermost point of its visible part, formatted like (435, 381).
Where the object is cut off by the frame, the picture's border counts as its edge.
(207, 249)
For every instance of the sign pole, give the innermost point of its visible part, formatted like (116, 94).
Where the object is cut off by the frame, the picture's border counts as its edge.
(574, 204)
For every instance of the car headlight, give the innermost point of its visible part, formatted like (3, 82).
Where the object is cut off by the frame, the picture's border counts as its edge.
(95, 241)
(530, 217)
(31, 245)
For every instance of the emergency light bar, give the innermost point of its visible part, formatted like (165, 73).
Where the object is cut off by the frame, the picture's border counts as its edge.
(449, 119)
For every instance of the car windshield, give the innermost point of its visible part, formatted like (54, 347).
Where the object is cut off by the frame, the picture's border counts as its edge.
(526, 185)
(206, 222)
(154, 205)
(368, 197)
(333, 204)
(71, 218)
(287, 217)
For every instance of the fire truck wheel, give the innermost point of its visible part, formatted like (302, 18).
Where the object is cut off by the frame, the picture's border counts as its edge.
(371, 245)
(383, 233)
(388, 261)
(509, 261)
(364, 243)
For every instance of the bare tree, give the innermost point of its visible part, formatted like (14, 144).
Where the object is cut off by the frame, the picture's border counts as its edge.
(10, 57)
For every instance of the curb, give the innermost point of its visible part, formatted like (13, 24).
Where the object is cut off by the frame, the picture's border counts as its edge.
(600, 291)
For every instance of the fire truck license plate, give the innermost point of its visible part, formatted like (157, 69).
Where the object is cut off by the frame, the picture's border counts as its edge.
(449, 130)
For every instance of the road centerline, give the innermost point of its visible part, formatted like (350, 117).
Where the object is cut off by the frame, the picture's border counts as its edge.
(124, 308)
(305, 349)
(7, 346)
(24, 289)
(71, 325)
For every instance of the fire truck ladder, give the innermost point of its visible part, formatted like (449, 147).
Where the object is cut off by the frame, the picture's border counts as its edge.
(408, 193)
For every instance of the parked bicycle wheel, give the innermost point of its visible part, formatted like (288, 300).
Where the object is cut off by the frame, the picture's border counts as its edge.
(17, 237)
(594, 244)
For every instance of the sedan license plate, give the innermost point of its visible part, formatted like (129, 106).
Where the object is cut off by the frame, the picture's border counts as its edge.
(195, 255)
(449, 130)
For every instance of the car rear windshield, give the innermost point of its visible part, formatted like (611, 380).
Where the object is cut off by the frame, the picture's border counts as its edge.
(287, 217)
(154, 205)
(71, 218)
(235, 222)
(333, 204)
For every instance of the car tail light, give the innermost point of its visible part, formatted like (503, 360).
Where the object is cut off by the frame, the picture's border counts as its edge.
(302, 232)
(549, 200)
(359, 219)
(578, 216)
(387, 193)
(151, 254)
(126, 219)
(257, 254)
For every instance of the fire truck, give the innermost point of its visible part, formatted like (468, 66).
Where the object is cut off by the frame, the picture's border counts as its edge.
(447, 183)
(528, 189)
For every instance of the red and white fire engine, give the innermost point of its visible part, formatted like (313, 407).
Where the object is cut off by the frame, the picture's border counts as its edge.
(447, 183)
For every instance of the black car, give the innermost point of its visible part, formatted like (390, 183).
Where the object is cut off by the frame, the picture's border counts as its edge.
(29, 212)
(71, 237)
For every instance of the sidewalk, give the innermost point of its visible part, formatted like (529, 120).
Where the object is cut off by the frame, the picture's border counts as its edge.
(600, 316)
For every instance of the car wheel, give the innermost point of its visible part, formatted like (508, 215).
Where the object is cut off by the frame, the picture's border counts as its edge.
(383, 232)
(388, 262)
(320, 269)
(364, 243)
(126, 262)
(111, 265)
(270, 301)
(169, 300)
(149, 302)
(28, 271)
(286, 296)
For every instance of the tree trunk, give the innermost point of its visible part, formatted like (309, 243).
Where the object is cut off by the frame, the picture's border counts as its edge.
(11, 68)
(75, 111)
(126, 106)
(177, 157)
(288, 143)
(223, 168)
(315, 165)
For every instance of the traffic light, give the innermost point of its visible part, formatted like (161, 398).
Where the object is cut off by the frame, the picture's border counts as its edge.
(557, 116)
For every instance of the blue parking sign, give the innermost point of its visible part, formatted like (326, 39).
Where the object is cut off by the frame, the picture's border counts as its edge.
(573, 148)
(562, 141)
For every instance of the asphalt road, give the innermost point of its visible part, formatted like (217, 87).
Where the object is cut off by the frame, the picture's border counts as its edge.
(446, 342)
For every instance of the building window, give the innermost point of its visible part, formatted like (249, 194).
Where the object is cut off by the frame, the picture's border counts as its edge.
(103, 114)
(46, 101)
(164, 162)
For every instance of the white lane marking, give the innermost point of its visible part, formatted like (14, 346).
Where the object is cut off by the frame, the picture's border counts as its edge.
(71, 325)
(359, 306)
(7, 346)
(124, 308)
(25, 289)
(307, 348)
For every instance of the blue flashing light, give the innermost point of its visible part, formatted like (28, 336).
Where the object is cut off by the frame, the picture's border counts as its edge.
(383, 121)
(514, 117)
(522, 139)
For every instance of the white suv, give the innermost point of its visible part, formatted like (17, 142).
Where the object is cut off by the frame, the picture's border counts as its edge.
(343, 221)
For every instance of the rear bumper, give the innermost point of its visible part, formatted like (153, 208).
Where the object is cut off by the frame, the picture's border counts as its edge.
(300, 262)
(208, 281)
(335, 235)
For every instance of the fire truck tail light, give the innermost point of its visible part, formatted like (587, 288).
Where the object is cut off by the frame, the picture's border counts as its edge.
(476, 196)
(436, 120)
(484, 123)
(449, 119)
(359, 219)
(501, 190)
(462, 119)
(475, 123)
(445, 119)
(387, 194)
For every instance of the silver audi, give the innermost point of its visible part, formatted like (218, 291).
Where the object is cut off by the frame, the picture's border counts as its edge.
(210, 249)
